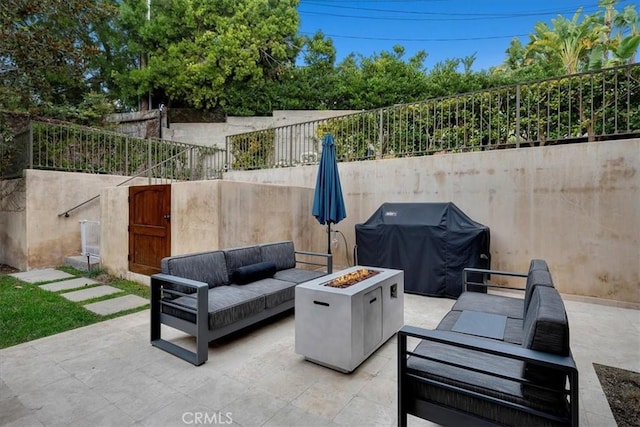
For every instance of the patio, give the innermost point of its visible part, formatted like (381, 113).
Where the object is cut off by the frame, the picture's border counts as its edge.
(108, 374)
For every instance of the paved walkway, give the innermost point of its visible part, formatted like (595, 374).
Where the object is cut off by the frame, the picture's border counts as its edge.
(81, 289)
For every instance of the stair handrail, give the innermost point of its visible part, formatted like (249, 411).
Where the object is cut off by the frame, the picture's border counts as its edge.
(66, 213)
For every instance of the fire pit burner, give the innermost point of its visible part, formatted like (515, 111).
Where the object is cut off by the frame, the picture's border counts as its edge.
(351, 279)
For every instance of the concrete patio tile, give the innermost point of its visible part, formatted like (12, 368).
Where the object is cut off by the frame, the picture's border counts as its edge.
(286, 385)
(66, 285)
(182, 412)
(323, 400)
(97, 368)
(44, 275)
(78, 342)
(217, 393)
(382, 391)
(360, 411)
(254, 408)
(291, 416)
(11, 409)
(28, 421)
(142, 403)
(29, 375)
(63, 402)
(116, 305)
(85, 294)
(106, 417)
(121, 387)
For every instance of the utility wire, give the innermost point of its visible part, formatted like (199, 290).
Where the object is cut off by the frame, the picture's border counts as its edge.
(421, 40)
(466, 15)
(438, 18)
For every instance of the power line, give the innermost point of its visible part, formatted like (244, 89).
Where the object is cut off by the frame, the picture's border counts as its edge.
(466, 14)
(438, 18)
(399, 39)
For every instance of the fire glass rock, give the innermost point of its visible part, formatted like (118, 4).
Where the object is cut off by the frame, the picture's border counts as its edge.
(351, 279)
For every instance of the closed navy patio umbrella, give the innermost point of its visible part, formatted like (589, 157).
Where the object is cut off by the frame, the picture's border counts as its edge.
(328, 203)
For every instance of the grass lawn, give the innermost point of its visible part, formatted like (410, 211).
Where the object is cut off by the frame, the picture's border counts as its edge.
(28, 312)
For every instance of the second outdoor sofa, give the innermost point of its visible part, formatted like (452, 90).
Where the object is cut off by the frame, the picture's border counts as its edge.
(493, 359)
(212, 294)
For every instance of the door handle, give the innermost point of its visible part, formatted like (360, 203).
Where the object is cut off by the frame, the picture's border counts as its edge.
(167, 217)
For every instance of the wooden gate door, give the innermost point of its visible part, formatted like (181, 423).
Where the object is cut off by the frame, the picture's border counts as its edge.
(149, 227)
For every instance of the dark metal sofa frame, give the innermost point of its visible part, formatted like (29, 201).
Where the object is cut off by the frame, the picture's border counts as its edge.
(163, 285)
(449, 415)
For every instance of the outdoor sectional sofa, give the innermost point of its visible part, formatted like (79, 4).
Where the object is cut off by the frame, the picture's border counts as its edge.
(212, 294)
(493, 359)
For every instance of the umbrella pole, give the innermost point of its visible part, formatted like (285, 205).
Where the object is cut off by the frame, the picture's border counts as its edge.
(329, 238)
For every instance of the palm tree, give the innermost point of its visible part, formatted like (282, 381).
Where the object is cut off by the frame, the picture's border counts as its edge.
(568, 41)
(628, 45)
(621, 40)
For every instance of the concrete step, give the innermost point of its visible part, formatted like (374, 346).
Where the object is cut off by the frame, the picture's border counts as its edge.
(81, 263)
(95, 292)
(65, 285)
(115, 305)
(44, 275)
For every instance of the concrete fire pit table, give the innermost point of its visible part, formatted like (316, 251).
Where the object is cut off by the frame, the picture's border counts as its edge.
(340, 327)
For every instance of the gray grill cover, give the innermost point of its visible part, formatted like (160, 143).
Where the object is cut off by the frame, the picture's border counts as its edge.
(431, 242)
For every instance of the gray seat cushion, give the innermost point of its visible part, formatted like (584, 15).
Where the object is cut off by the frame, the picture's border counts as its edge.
(282, 254)
(275, 291)
(486, 384)
(512, 330)
(297, 275)
(208, 267)
(227, 304)
(488, 303)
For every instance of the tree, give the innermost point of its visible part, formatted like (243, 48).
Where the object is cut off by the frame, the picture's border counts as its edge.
(627, 44)
(567, 41)
(212, 55)
(46, 50)
(311, 85)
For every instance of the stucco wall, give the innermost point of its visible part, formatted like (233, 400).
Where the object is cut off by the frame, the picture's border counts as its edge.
(577, 206)
(51, 238)
(37, 236)
(13, 223)
(214, 134)
(207, 215)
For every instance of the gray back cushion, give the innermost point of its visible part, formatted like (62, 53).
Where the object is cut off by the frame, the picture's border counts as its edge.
(240, 257)
(546, 328)
(282, 254)
(538, 264)
(208, 267)
(535, 278)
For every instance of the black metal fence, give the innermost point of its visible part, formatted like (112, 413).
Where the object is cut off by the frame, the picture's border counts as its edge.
(73, 148)
(583, 107)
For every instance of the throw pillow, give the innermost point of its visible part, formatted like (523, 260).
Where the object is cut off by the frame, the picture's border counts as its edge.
(253, 272)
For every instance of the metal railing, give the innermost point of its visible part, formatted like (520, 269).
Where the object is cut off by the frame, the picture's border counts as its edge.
(577, 108)
(74, 148)
(15, 155)
(580, 107)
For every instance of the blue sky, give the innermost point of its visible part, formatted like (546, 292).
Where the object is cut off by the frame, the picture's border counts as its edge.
(443, 28)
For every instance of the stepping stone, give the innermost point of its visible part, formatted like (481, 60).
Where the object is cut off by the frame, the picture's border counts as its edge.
(114, 305)
(85, 294)
(44, 275)
(65, 285)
